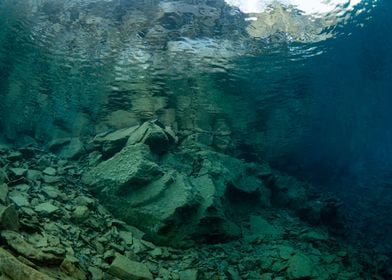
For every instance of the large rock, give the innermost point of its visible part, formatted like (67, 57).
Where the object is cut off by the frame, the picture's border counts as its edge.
(16, 270)
(126, 171)
(299, 267)
(135, 189)
(17, 172)
(190, 195)
(113, 142)
(153, 134)
(155, 207)
(125, 269)
(47, 255)
(46, 208)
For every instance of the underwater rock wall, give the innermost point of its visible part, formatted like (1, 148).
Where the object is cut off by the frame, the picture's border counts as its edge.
(179, 192)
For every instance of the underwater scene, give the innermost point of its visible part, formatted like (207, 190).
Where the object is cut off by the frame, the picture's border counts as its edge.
(195, 139)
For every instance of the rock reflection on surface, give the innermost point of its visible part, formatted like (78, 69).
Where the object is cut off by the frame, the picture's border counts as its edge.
(79, 67)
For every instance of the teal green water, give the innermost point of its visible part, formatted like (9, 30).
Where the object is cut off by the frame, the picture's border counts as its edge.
(308, 90)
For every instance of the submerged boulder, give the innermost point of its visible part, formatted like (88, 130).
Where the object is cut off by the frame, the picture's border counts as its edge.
(69, 148)
(125, 268)
(113, 142)
(137, 190)
(299, 267)
(155, 135)
(14, 268)
(131, 168)
(180, 196)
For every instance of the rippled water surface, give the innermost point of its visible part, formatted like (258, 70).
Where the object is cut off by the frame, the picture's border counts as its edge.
(124, 44)
(91, 57)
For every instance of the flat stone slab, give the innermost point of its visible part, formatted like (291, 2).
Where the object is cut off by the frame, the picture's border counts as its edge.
(51, 191)
(50, 171)
(20, 199)
(128, 169)
(18, 172)
(51, 179)
(47, 255)
(46, 208)
(190, 274)
(125, 269)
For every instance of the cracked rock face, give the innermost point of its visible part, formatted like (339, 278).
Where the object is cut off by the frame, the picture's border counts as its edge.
(188, 192)
(175, 200)
(182, 194)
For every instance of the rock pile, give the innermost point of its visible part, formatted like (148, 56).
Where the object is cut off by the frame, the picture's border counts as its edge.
(228, 219)
(55, 229)
(184, 192)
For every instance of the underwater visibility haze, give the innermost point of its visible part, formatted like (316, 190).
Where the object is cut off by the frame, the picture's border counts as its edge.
(198, 122)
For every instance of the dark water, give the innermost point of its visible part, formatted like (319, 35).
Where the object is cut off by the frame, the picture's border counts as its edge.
(347, 147)
(310, 95)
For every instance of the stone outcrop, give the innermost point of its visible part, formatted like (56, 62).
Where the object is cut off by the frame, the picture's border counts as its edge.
(15, 269)
(152, 133)
(155, 135)
(176, 193)
(111, 143)
(125, 269)
(47, 255)
(179, 198)
(129, 169)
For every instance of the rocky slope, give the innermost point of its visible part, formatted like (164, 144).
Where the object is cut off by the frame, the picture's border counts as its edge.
(178, 210)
